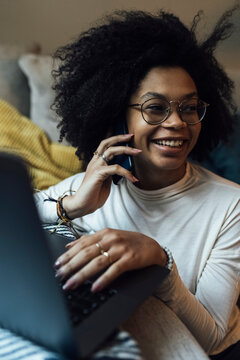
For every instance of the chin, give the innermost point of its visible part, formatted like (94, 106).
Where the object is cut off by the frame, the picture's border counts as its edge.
(169, 163)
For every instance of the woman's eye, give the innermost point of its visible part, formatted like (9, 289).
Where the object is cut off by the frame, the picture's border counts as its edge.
(157, 108)
(189, 108)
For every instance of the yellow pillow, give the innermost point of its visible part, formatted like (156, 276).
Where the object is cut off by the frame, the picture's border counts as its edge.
(49, 162)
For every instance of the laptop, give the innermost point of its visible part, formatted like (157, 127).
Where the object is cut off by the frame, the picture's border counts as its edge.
(32, 302)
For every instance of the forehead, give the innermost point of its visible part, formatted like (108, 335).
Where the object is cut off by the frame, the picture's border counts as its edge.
(171, 82)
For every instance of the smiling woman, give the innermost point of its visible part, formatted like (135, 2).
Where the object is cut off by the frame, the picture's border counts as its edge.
(162, 164)
(148, 75)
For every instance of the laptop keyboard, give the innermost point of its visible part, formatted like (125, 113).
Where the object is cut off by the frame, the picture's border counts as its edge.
(82, 302)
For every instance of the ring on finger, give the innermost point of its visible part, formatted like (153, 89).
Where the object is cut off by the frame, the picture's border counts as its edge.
(105, 159)
(96, 153)
(99, 247)
(105, 253)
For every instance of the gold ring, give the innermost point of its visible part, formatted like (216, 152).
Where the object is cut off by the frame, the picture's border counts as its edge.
(100, 248)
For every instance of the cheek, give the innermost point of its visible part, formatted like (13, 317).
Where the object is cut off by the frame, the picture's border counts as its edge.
(130, 121)
(132, 125)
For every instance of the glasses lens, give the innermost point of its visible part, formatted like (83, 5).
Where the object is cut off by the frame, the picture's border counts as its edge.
(155, 110)
(192, 111)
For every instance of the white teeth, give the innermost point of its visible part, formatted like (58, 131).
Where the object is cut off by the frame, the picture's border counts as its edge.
(173, 143)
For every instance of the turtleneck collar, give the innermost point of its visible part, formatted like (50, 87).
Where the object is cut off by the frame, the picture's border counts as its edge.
(187, 181)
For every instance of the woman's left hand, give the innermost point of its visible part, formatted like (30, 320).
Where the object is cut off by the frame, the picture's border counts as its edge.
(116, 251)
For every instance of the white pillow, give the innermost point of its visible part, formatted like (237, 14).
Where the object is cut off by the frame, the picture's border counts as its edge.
(38, 69)
(13, 84)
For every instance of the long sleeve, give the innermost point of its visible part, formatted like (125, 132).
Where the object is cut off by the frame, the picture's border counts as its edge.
(209, 313)
(47, 209)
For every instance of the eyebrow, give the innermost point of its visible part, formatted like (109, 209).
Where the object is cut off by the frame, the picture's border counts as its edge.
(150, 95)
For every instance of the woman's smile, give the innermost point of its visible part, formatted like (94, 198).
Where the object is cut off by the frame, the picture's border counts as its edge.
(170, 145)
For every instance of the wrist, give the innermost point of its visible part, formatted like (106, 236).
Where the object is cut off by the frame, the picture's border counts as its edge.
(70, 207)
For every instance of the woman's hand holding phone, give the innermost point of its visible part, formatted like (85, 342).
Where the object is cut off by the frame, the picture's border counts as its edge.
(96, 184)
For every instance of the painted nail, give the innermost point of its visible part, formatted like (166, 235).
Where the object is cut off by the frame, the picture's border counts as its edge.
(57, 264)
(59, 273)
(69, 284)
(137, 150)
(134, 179)
(69, 245)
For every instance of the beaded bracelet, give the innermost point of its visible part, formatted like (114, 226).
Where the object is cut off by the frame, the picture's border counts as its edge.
(169, 264)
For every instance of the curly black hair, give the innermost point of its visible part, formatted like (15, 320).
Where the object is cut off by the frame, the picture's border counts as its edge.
(100, 71)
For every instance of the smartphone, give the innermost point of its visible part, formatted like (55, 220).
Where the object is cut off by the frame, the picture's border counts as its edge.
(124, 160)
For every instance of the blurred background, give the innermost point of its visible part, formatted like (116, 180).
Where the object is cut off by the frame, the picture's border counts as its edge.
(52, 23)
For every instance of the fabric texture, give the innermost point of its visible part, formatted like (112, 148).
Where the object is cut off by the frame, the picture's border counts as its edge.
(14, 347)
(232, 353)
(48, 162)
(197, 218)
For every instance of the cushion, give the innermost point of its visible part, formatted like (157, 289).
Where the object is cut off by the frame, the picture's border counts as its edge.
(49, 162)
(14, 87)
(38, 69)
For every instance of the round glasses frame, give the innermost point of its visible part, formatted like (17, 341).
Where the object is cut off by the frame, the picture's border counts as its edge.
(169, 110)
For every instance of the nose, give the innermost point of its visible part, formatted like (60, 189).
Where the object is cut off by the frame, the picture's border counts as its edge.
(174, 120)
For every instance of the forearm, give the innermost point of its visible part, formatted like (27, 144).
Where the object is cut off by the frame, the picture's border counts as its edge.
(190, 311)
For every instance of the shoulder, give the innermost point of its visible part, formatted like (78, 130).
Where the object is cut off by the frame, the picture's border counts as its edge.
(214, 190)
(210, 179)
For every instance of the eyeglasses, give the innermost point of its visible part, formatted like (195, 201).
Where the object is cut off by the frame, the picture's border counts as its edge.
(157, 110)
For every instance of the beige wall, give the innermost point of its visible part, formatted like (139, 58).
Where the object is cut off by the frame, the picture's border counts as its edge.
(54, 22)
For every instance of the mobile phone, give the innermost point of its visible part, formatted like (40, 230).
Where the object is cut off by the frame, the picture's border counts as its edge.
(124, 160)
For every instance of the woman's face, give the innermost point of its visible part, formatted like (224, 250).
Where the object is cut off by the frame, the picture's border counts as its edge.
(161, 164)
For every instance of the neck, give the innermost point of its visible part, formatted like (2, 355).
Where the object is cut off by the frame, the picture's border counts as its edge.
(153, 180)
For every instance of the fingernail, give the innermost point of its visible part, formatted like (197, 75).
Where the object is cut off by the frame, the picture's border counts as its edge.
(96, 286)
(59, 273)
(128, 134)
(69, 245)
(137, 150)
(57, 264)
(134, 179)
(69, 284)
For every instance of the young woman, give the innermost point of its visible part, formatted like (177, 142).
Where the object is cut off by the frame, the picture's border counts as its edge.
(149, 75)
